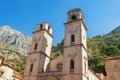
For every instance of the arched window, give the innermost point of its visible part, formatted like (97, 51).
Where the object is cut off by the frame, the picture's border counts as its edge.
(72, 38)
(36, 44)
(71, 64)
(31, 67)
(73, 17)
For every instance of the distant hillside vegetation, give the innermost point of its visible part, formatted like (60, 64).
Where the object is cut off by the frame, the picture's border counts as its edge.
(101, 47)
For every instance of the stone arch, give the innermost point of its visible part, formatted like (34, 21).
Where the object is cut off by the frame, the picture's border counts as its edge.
(73, 17)
(50, 78)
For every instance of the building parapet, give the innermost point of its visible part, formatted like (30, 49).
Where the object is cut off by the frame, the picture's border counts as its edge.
(50, 73)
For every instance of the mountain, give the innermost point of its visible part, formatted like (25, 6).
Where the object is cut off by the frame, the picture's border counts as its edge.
(115, 31)
(14, 40)
(14, 47)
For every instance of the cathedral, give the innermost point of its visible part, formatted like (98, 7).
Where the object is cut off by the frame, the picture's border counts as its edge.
(72, 64)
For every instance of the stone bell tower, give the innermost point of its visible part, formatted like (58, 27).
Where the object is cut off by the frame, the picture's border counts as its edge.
(75, 61)
(39, 54)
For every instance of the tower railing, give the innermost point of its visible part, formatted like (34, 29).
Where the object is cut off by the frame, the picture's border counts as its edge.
(72, 43)
(50, 73)
(72, 71)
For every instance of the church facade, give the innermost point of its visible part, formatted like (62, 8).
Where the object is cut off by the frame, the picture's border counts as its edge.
(72, 64)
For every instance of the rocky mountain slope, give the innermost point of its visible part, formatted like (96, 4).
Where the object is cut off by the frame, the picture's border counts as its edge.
(13, 40)
(115, 31)
(14, 47)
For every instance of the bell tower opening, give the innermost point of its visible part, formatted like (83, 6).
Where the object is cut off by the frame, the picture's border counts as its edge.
(41, 27)
(73, 17)
(45, 26)
(75, 14)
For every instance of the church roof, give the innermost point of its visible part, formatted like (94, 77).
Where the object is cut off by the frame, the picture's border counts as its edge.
(17, 75)
(112, 58)
(7, 64)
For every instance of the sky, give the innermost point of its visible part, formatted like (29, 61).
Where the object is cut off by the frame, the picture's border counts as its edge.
(101, 16)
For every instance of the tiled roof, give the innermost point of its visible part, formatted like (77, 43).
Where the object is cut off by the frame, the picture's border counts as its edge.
(7, 64)
(17, 75)
(111, 58)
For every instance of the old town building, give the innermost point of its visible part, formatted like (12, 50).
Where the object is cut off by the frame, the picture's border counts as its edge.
(112, 66)
(7, 72)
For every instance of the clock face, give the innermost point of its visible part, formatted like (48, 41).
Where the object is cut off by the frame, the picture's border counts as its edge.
(72, 29)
